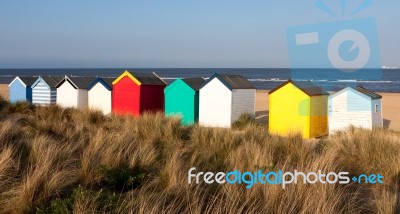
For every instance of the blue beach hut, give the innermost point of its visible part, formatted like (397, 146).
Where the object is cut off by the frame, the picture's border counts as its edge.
(20, 89)
(44, 91)
(354, 106)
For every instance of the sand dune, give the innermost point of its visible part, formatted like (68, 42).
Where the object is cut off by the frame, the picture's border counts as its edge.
(390, 107)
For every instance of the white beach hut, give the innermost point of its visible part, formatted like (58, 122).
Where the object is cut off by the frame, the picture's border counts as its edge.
(354, 106)
(224, 98)
(44, 91)
(100, 94)
(72, 91)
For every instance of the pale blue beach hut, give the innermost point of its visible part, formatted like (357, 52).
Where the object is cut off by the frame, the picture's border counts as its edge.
(44, 91)
(20, 89)
(354, 106)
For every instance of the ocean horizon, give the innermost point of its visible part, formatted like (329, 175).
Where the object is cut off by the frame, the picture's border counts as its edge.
(262, 78)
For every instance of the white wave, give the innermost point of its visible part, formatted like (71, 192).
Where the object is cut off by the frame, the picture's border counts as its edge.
(267, 80)
(389, 67)
(365, 81)
(345, 81)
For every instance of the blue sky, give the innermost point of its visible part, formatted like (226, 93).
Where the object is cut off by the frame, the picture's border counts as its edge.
(173, 33)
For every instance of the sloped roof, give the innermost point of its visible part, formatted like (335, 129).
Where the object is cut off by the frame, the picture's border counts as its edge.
(78, 82)
(148, 78)
(231, 81)
(141, 78)
(82, 82)
(52, 81)
(28, 81)
(106, 81)
(307, 87)
(372, 95)
(195, 83)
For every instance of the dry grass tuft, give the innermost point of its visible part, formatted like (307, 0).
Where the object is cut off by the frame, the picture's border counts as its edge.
(55, 160)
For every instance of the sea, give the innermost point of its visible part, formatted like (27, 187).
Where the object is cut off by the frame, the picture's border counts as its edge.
(262, 78)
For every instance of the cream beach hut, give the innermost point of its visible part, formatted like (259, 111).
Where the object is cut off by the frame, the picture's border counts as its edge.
(100, 94)
(72, 91)
(224, 98)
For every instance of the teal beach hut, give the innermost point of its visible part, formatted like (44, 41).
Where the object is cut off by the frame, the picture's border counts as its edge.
(182, 99)
(20, 89)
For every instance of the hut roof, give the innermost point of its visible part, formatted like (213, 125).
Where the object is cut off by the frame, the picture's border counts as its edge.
(78, 82)
(232, 81)
(195, 83)
(28, 81)
(52, 81)
(148, 78)
(372, 95)
(306, 86)
(141, 78)
(106, 81)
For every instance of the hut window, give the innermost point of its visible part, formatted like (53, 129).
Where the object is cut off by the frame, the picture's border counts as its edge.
(377, 108)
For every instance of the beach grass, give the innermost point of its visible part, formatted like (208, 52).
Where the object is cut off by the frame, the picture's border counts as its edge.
(55, 160)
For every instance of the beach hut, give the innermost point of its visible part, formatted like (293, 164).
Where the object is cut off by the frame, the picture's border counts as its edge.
(135, 93)
(298, 107)
(354, 106)
(182, 99)
(72, 91)
(224, 98)
(44, 91)
(100, 94)
(20, 89)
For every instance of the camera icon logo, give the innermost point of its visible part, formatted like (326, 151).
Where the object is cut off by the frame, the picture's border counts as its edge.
(343, 50)
(358, 40)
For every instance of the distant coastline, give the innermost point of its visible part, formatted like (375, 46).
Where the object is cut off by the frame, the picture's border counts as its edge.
(262, 78)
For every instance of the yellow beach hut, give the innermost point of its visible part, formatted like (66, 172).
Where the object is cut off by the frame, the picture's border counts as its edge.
(298, 107)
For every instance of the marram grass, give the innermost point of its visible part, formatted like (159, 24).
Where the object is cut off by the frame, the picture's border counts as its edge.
(79, 161)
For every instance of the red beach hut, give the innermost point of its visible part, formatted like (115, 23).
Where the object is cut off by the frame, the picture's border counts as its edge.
(135, 93)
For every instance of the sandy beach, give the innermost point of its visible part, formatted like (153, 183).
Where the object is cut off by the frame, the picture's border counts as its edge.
(4, 91)
(390, 104)
(390, 107)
